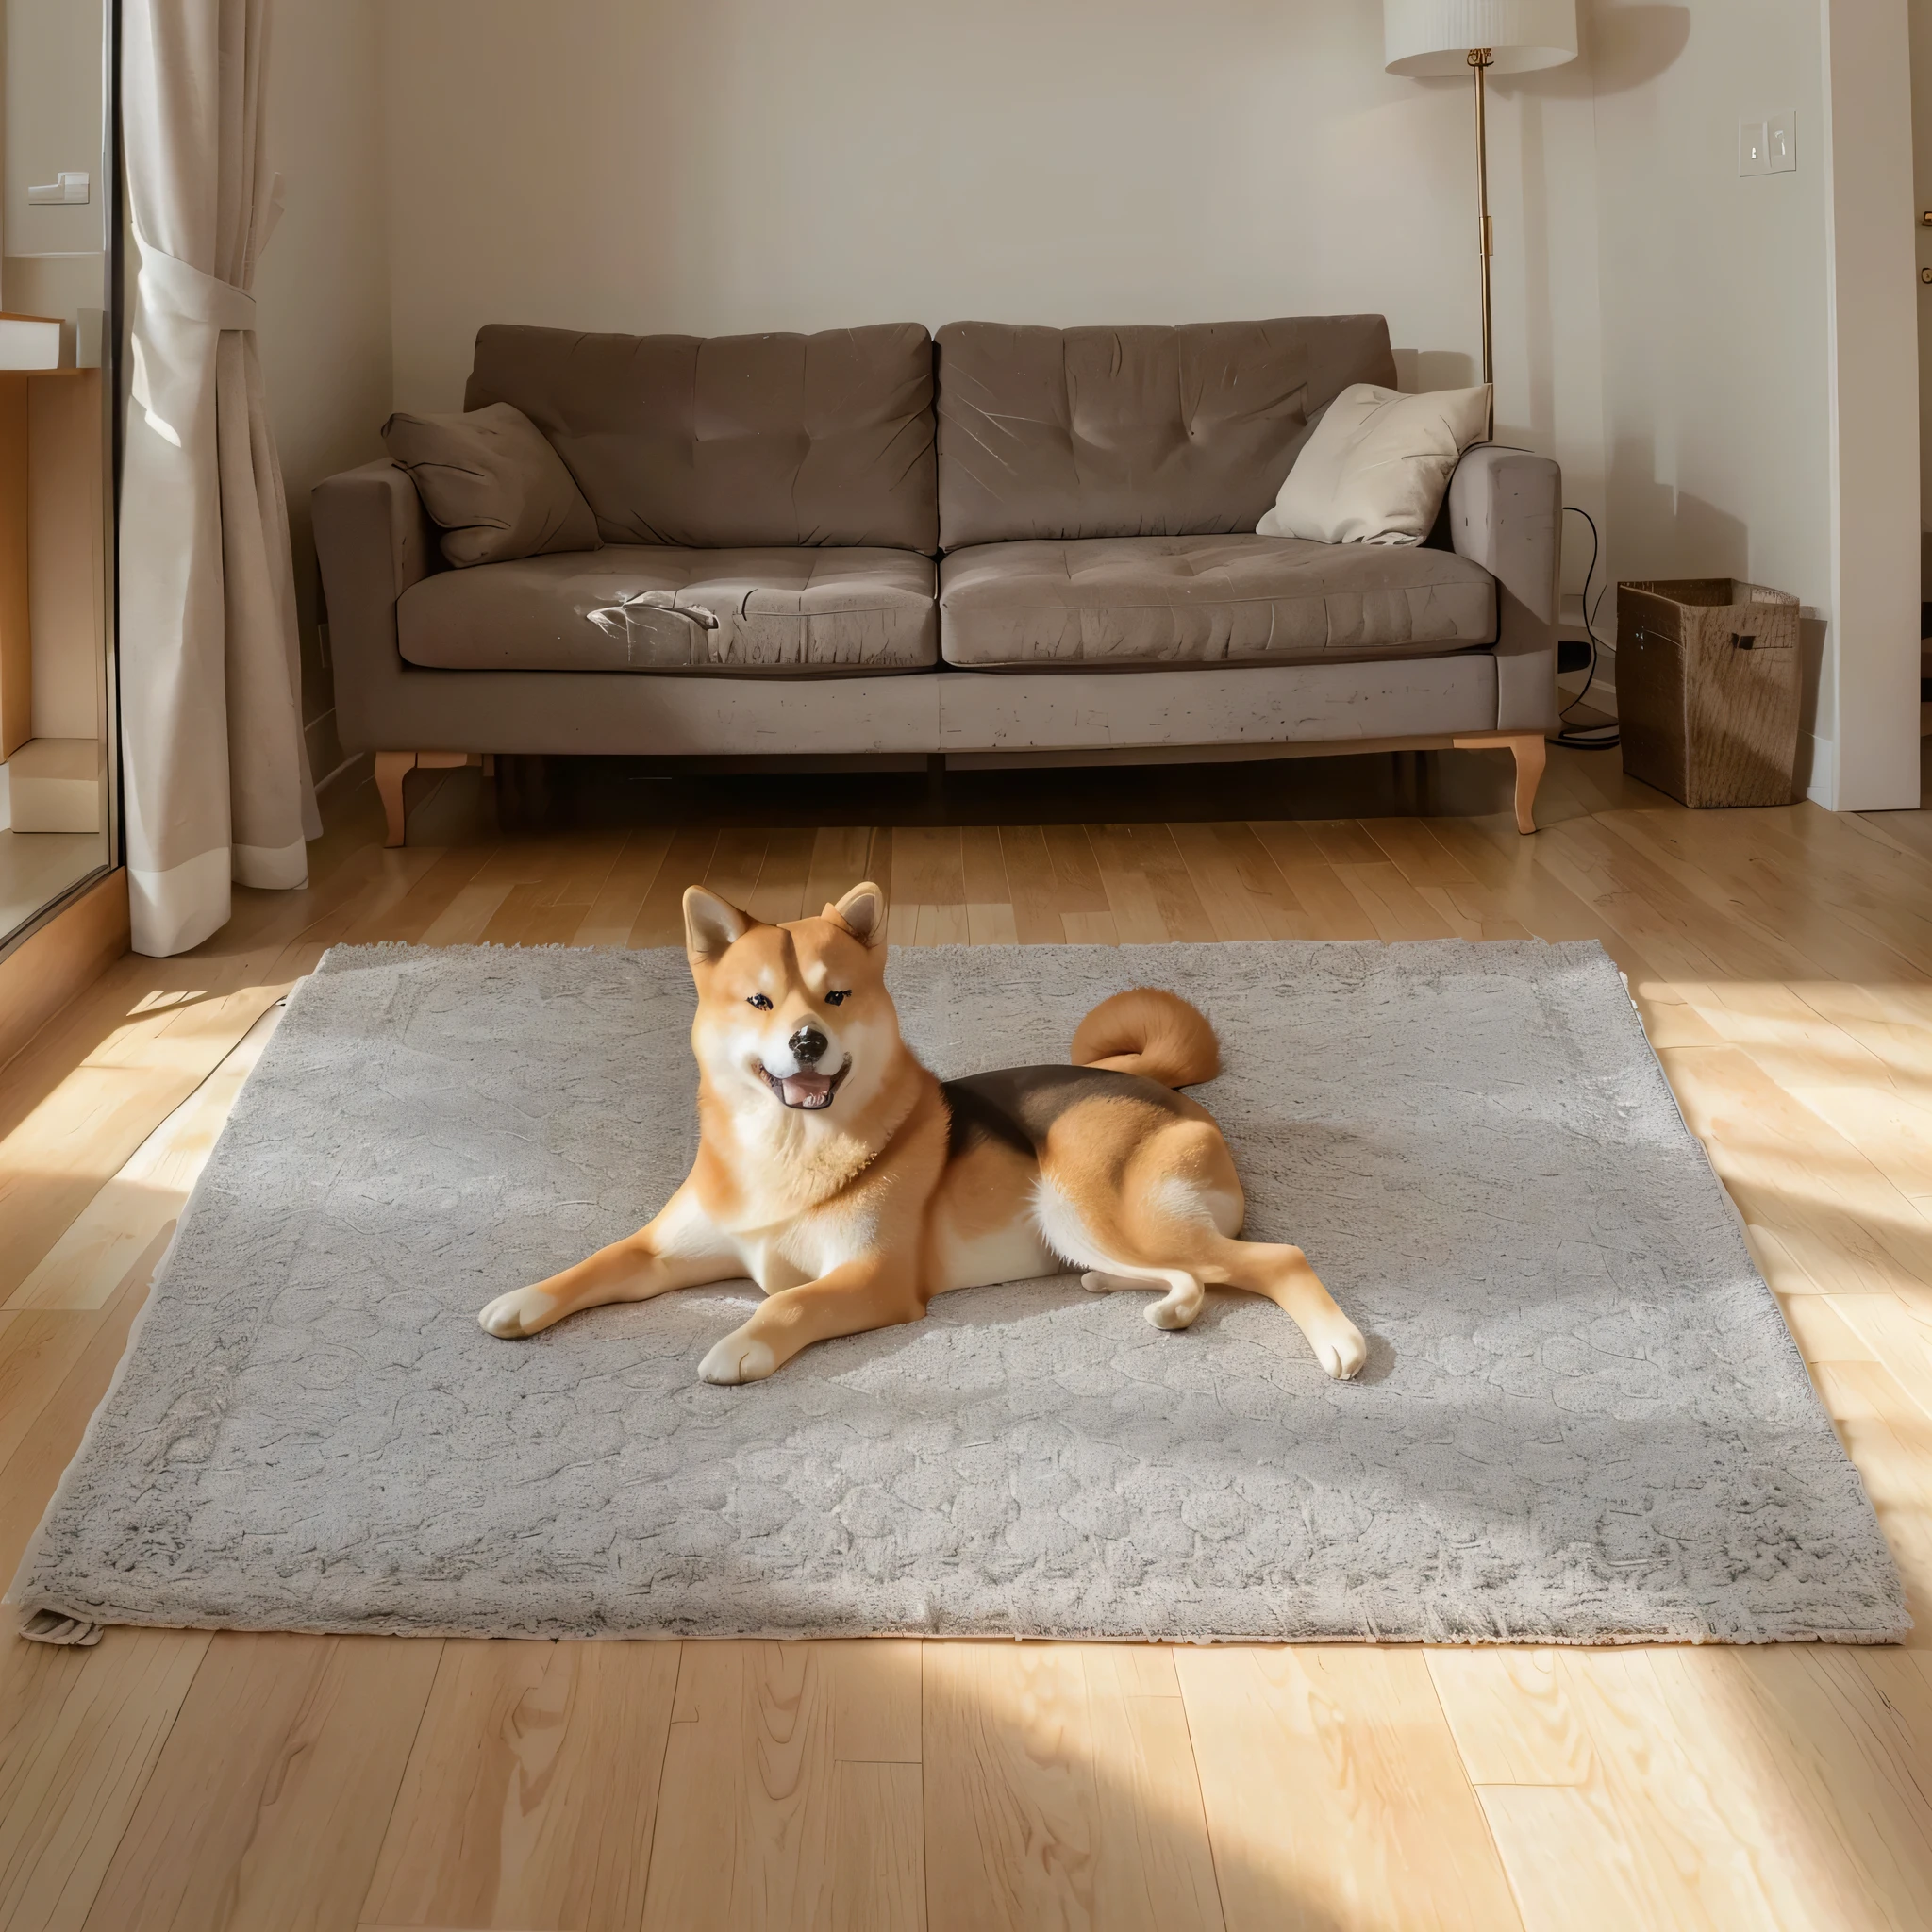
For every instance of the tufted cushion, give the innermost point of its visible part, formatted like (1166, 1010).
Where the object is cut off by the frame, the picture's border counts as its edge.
(1134, 602)
(771, 440)
(656, 608)
(1125, 432)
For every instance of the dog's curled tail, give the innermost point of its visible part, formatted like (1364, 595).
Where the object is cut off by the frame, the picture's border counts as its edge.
(1149, 1032)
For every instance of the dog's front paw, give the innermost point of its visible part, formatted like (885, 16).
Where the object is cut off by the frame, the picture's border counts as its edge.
(740, 1358)
(1342, 1351)
(522, 1311)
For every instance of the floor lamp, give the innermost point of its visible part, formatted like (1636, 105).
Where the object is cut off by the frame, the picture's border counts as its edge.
(1434, 37)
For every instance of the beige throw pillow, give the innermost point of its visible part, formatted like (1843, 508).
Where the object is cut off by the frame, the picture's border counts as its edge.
(1376, 466)
(493, 482)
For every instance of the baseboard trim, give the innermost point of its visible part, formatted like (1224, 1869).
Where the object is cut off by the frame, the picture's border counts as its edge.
(1601, 689)
(346, 775)
(61, 958)
(1816, 775)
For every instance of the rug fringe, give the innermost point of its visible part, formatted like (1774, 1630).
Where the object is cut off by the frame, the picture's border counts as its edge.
(50, 1626)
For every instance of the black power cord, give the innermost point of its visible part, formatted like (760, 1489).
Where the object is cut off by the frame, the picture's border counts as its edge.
(1588, 737)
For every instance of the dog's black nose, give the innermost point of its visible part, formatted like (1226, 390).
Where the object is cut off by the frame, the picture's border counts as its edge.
(807, 1046)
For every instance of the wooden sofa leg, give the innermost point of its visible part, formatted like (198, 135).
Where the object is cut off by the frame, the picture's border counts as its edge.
(1531, 753)
(391, 767)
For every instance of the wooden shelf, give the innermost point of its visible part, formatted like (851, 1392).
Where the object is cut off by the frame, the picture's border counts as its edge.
(16, 622)
(17, 487)
(52, 321)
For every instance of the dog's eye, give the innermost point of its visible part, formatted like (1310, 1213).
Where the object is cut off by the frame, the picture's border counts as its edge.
(838, 999)
(760, 1002)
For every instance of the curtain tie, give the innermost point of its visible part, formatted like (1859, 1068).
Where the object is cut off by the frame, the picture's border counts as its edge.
(178, 287)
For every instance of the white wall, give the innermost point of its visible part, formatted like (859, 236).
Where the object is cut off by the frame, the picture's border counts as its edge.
(1872, 654)
(1717, 348)
(55, 90)
(1731, 373)
(1921, 27)
(321, 288)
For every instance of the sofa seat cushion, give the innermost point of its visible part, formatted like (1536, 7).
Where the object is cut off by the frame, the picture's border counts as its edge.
(1130, 602)
(645, 607)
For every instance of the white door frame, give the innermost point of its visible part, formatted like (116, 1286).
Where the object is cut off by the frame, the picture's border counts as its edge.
(1872, 365)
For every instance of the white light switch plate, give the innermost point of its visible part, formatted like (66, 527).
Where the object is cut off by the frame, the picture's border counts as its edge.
(1768, 144)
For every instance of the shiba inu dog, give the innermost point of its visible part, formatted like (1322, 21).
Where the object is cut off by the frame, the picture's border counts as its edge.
(851, 1186)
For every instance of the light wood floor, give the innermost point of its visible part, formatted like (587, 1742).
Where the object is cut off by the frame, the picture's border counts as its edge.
(1783, 963)
(36, 867)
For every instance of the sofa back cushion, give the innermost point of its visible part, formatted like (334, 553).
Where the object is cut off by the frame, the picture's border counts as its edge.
(1048, 433)
(732, 440)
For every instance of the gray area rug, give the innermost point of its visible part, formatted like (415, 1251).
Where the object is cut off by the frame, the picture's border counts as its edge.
(1582, 1418)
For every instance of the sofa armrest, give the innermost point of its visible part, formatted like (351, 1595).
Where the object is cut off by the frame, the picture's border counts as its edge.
(372, 541)
(1505, 507)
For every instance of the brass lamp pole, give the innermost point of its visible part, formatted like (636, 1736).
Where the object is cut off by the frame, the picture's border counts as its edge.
(1436, 38)
(1480, 61)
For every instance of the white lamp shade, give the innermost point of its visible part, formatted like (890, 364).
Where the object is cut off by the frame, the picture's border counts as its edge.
(1432, 37)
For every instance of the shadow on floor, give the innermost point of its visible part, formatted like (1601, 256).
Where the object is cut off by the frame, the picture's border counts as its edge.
(575, 793)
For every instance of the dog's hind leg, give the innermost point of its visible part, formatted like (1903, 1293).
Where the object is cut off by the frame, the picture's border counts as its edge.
(1074, 1236)
(1181, 1206)
(1283, 1274)
(1176, 1308)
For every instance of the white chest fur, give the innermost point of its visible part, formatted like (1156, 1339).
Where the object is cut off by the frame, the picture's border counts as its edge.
(808, 1246)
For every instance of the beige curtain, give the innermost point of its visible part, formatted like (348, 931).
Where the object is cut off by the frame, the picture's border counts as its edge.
(217, 781)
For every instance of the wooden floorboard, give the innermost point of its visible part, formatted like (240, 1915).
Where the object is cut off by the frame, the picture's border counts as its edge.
(1782, 962)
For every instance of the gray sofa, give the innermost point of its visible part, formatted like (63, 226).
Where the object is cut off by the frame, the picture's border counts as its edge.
(1002, 545)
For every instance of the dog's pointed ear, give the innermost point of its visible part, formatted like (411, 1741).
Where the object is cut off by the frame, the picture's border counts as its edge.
(711, 925)
(862, 913)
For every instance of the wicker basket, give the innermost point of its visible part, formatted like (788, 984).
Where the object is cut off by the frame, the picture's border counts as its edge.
(1708, 689)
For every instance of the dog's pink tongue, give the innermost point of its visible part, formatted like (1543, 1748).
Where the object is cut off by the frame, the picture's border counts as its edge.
(808, 1089)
